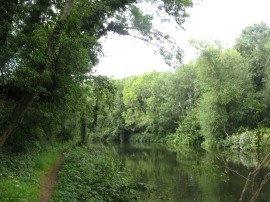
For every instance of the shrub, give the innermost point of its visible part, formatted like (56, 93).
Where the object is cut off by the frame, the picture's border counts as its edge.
(248, 140)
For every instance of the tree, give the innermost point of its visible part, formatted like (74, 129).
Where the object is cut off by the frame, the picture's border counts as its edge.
(224, 83)
(183, 89)
(111, 125)
(135, 95)
(45, 45)
(97, 97)
(150, 104)
(251, 45)
(24, 60)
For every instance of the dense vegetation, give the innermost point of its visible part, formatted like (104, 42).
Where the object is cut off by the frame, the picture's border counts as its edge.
(95, 174)
(49, 94)
(47, 52)
(21, 174)
(220, 99)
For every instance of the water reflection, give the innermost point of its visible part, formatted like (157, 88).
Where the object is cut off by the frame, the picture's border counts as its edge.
(188, 174)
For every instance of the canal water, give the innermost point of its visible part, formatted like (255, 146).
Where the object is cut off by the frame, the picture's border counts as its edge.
(189, 174)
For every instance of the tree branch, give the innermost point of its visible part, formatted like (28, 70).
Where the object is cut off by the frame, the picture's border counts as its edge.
(265, 161)
(264, 181)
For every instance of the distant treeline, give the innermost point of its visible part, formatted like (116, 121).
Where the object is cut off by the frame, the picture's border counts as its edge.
(221, 98)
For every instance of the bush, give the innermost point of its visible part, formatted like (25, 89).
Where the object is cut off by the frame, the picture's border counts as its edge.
(248, 140)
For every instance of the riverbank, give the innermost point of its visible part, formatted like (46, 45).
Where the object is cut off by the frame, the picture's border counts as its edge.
(257, 139)
(96, 174)
(22, 173)
(126, 172)
(86, 173)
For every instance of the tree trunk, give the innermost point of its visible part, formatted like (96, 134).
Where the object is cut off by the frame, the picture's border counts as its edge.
(21, 107)
(83, 130)
(27, 98)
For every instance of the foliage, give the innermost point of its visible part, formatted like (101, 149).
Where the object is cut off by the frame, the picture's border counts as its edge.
(188, 132)
(224, 82)
(93, 174)
(48, 50)
(248, 140)
(149, 104)
(21, 174)
(207, 100)
(251, 44)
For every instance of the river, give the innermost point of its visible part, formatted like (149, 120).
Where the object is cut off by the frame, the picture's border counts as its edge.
(189, 174)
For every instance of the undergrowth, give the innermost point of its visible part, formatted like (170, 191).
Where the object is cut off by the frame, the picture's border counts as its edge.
(95, 174)
(21, 173)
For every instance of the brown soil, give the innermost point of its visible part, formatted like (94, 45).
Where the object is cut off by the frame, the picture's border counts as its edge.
(49, 181)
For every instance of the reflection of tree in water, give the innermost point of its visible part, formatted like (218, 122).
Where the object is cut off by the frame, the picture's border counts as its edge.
(250, 180)
(207, 173)
(247, 159)
(255, 177)
(188, 174)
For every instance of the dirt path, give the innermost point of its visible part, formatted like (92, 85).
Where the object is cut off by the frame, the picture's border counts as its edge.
(49, 181)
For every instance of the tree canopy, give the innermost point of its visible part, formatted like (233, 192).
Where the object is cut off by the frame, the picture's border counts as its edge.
(214, 99)
(48, 48)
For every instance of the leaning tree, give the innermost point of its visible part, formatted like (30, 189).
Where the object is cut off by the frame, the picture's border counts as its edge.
(47, 44)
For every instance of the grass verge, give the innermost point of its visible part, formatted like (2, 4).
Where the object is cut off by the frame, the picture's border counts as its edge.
(21, 174)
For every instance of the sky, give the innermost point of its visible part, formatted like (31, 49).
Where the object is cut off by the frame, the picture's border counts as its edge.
(221, 20)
